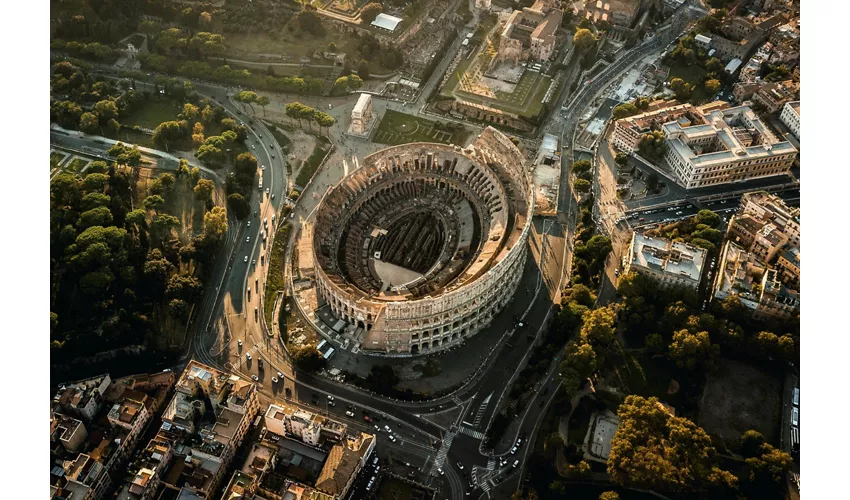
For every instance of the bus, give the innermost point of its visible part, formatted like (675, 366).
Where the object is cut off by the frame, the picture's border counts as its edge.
(795, 416)
(261, 181)
(796, 396)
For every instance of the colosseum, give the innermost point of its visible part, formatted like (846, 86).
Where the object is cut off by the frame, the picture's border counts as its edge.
(424, 243)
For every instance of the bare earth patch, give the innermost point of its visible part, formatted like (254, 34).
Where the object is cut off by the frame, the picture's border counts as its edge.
(739, 397)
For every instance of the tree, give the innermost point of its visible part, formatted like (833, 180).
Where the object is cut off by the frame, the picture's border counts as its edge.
(598, 326)
(153, 202)
(652, 145)
(370, 11)
(750, 443)
(583, 39)
(599, 247)
(247, 97)
(690, 350)
(204, 19)
(708, 218)
(308, 359)
(787, 348)
(581, 295)
(581, 358)
(332, 47)
(609, 495)
(625, 110)
(652, 449)
(89, 123)
(209, 154)
(263, 101)
(66, 113)
(324, 120)
(167, 133)
(238, 205)
(95, 182)
(581, 186)
(767, 343)
(125, 154)
(178, 309)
(581, 166)
(363, 69)
(164, 223)
(767, 472)
(215, 223)
(98, 216)
(204, 190)
(681, 88)
(712, 86)
(105, 110)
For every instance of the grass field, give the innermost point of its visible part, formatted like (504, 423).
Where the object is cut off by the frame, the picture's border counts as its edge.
(739, 397)
(401, 128)
(693, 75)
(76, 165)
(153, 113)
(275, 281)
(56, 158)
(309, 167)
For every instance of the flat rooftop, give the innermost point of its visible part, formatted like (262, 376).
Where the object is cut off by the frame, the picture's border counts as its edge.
(669, 257)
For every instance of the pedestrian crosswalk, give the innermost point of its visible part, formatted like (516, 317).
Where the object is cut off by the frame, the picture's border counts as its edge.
(471, 432)
(480, 413)
(456, 400)
(486, 486)
(491, 464)
(440, 459)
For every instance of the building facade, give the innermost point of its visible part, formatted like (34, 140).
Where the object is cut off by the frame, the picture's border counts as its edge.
(733, 145)
(791, 117)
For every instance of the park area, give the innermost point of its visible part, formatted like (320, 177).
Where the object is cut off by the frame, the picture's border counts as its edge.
(401, 128)
(739, 397)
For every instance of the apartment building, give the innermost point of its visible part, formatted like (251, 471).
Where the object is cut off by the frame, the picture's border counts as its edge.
(206, 421)
(790, 116)
(773, 96)
(616, 12)
(732, 145)
(144, 473)
(760, 237)
(788, 264)
(301, 455)
(773, 209)
(83, 398)
(671, 264)
(68, 431)
(755, 284)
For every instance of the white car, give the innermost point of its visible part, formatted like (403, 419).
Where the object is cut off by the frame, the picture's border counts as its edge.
(249, 223)
(248, 239)
(440, 470)
(246, 258)
(349, 414)
(513, 450)
(516, 462)
(267, 190)
(248, 356)
(460, 466)
(392, 438)
(254, 378)
(377, 429)
(280, 375)
(263, 167)
(274, 380)
(387, 428)
(330, 398)
(253, 146)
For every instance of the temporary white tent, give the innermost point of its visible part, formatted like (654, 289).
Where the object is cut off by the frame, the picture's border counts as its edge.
(386, 22)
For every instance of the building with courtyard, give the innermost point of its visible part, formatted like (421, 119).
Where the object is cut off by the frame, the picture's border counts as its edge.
(730, 145)
(530, 33)
(423, 244)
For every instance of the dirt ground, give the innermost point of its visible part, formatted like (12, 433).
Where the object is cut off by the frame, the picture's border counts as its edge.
(739, 397)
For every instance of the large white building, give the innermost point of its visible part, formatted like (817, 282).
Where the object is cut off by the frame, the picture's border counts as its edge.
(733, 145)
(671, 264)
(791, 117)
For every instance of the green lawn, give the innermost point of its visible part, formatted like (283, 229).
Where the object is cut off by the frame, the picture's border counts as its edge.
(312, 163)
(130, 136)
(275, 281)
(402, 128)
(154, 112)
(694, 75)
(76, 165)
(55, 158)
